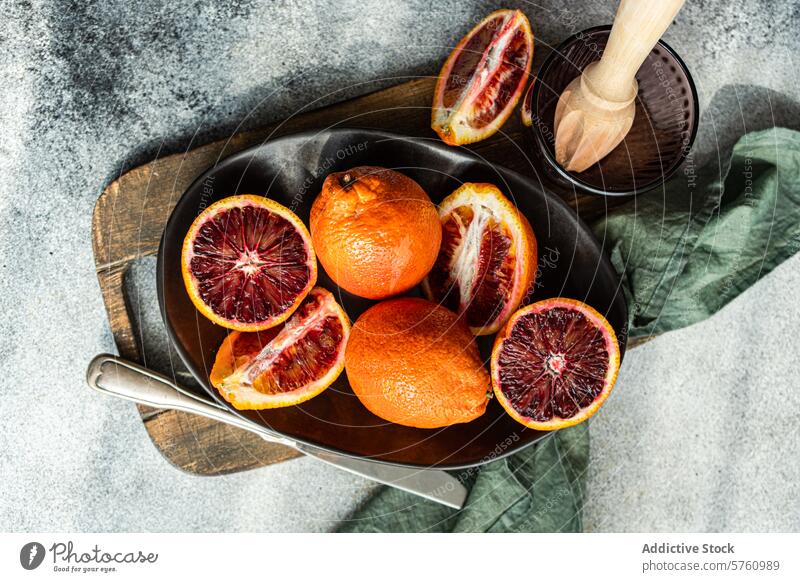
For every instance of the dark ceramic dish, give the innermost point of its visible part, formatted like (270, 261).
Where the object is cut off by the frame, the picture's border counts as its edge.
(663, 130)
(291, 170)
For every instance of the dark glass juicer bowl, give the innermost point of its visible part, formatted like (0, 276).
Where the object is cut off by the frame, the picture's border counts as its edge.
(663, 129)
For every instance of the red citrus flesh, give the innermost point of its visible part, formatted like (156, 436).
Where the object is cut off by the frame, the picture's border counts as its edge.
(248, 262)
(526, 110)
(487, 259)
(483, 78)
(554, 364)
(284, 365)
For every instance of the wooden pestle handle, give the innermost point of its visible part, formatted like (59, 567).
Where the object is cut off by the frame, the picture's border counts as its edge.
(637, 27)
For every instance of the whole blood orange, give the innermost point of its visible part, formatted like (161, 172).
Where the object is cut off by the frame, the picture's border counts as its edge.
(247, 262)
(487, 260)
(413, 362)
(375, 230)
(483, 78)
(555, 363)
(284, 365)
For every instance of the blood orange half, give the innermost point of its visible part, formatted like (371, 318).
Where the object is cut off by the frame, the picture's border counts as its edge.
(487, 259)
(526, 110)
(248, 262)
(284, 365)
(554, 363)
(483, 78)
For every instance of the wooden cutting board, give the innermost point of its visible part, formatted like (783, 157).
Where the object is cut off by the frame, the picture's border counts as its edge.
(130, 215)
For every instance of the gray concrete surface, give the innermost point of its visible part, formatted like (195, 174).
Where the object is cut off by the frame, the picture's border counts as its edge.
(701, 433)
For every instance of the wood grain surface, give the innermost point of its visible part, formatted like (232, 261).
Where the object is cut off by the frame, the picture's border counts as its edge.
(130, 215)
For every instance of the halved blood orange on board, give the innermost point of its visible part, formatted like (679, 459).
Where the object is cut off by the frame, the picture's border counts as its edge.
(487, 259)
(483, 78)
(526, 110)
(248, 262)
(554, 363)
(284, 365)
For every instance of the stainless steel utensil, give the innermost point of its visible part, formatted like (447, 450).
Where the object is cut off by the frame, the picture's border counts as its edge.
(118, 377)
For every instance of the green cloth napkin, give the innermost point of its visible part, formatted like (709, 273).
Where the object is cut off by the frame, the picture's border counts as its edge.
(683, 254)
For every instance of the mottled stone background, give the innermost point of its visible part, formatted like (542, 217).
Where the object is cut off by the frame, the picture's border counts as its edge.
(701, 433)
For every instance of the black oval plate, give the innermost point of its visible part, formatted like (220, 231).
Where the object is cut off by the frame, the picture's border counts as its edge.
(291, 170)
